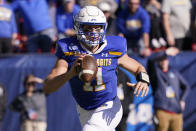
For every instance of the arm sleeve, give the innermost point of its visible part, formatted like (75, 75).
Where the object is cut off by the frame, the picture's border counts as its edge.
(61, 47)
(117, 45)
(59, 53)
(122, 45)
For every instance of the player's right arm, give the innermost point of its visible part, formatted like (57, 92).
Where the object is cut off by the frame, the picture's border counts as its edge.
(57, 77)
(60, 75)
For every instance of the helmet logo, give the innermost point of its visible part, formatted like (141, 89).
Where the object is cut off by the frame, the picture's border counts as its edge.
(93, 20)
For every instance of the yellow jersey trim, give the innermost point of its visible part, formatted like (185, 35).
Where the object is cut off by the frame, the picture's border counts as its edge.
(72, 53)
(68, 53)
(115, 53)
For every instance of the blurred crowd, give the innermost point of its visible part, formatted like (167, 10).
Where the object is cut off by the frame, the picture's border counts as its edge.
(148, 25)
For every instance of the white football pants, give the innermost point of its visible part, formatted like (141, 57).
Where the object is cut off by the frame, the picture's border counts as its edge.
(103, 118)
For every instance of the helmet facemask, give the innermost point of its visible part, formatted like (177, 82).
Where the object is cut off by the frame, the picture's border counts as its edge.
(91, 38)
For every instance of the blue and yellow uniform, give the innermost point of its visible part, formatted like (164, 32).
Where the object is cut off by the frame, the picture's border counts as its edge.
(103, 87)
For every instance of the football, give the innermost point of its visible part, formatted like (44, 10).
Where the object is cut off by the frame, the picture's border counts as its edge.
(88, 69)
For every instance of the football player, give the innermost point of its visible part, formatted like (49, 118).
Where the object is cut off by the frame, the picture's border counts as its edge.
(99, 107)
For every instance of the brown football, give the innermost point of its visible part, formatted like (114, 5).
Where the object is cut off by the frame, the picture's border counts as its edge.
(88, 69)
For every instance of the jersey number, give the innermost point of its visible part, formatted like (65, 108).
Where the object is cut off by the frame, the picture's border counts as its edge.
(100, 86)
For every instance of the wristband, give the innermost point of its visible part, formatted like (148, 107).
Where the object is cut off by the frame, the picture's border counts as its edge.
(143, 76)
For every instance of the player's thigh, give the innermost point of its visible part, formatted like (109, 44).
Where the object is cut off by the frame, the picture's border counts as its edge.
(104, 118)
(102, 123)
(84, 115)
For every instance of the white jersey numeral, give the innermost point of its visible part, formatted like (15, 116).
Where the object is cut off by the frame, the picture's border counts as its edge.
(100, 86)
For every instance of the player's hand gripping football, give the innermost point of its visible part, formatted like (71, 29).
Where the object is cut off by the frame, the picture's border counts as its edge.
(139, 87)
(75, 69)
(85, 66)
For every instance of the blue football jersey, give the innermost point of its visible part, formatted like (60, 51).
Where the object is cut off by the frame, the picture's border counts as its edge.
(103, 87)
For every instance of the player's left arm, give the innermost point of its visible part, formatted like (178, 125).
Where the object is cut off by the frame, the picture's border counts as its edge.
(139, 71)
